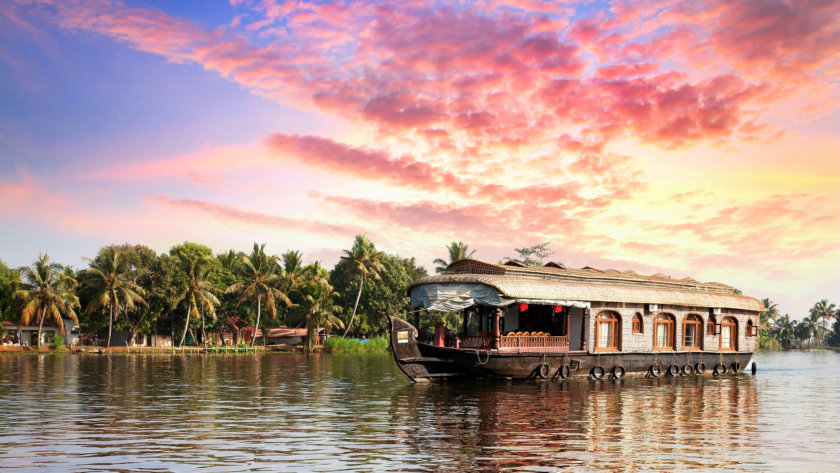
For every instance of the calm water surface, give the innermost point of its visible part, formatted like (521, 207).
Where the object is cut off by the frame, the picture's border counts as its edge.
(281, 412)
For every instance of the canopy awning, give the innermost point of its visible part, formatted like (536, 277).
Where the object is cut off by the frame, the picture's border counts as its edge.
(459, 296)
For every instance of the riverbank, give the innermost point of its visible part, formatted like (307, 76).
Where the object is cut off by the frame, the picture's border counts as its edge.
(331, 345)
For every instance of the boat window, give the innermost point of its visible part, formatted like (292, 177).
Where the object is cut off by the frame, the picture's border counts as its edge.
(692, 332)
(751, 329)
(637, 323)
(729, 334)
(607, 331)
(710, 326)
(664, 328)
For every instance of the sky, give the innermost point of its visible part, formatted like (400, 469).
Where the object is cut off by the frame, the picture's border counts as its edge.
(692, 138)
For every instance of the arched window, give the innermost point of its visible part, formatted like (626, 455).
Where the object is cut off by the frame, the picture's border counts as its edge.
(607, 331)
(664, 328)
(710, 326)
(729, 334)
(692, 332)
(751, 329)
(638, 327)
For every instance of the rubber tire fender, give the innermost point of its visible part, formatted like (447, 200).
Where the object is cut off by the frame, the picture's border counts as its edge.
(673, 370)
(720, 369)
(655, 370)
(700, 367)
(598, 369)
(688, 369)
(543, 370)
(618, 372)
(736, 367)
(565, 371)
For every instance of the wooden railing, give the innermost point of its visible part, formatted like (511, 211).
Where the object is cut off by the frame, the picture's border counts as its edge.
(535, 342)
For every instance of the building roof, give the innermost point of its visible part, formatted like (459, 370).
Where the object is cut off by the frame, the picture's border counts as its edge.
(279, 332)
(554, 281)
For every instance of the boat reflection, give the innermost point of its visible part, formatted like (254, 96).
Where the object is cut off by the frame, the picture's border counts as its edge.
(630, 425)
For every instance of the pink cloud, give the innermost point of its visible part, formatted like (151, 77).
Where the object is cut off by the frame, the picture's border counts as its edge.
(231, 215)
(491, 72)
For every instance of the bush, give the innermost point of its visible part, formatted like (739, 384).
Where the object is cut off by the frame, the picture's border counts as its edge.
(354, 345)
(55, 339)
(765, 342)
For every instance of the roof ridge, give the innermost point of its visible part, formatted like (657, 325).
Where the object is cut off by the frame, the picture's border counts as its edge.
(587, 273)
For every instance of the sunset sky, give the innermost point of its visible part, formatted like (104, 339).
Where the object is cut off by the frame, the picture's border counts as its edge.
(692, 138)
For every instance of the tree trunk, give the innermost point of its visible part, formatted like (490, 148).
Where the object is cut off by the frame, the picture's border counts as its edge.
(40, 326)
(136, 327)
(257, 327)
(308, 336)
(355, 306)
(203, 332)
(110, 325)
(186, 326)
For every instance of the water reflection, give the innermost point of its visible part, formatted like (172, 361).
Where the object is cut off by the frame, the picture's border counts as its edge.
(351, 413)
(698, 423)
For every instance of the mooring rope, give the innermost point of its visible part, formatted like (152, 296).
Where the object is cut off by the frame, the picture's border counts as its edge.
(478, 357)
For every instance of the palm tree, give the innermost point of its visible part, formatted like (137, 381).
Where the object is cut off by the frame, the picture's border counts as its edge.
(317, 307)
(824, 310)
(367, 262)
(260, 277)
(198, 292)
(771, 311)
(457, 251)
(47, 292)
(811, 327)
(229, 261)
(109, 278)
(292, 262)
(784, 330)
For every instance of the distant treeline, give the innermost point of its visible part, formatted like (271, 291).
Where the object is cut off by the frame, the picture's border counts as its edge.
(190, 289)
(815, 329)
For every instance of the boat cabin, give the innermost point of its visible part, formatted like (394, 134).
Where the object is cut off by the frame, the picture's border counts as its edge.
(553, 309)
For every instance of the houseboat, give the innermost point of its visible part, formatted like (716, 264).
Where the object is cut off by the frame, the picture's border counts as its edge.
(553, 322)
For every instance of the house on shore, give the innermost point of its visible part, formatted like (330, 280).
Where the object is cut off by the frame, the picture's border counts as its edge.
(26, 335)
(278, 335)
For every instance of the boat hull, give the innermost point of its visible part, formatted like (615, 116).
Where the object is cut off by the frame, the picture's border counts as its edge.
(423, 362)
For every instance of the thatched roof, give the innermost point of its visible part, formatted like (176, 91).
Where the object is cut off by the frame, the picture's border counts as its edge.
(592, 285)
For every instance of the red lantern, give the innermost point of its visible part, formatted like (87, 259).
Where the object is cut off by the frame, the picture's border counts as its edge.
(523, 307)
(558, 308)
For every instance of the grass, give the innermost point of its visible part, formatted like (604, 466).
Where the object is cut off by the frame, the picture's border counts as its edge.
(354, 345)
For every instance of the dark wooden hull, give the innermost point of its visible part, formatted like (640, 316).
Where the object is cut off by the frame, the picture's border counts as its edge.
(423, 362)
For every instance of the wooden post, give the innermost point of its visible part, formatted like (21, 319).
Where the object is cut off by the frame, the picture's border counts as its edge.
(467, 314)
(583, 326)
(566, 316)
(497, 336)
(417, 319)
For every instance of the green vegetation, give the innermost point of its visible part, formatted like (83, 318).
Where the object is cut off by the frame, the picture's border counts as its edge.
(260, 278)
(365, 261)
(198, 298)
(532, 255)
(109, 280)
(55, 340)
(48, 293)
(777, 331)
(457, 251)
(355, 345)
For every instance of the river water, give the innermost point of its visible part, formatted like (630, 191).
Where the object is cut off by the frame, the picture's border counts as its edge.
(283, 412)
